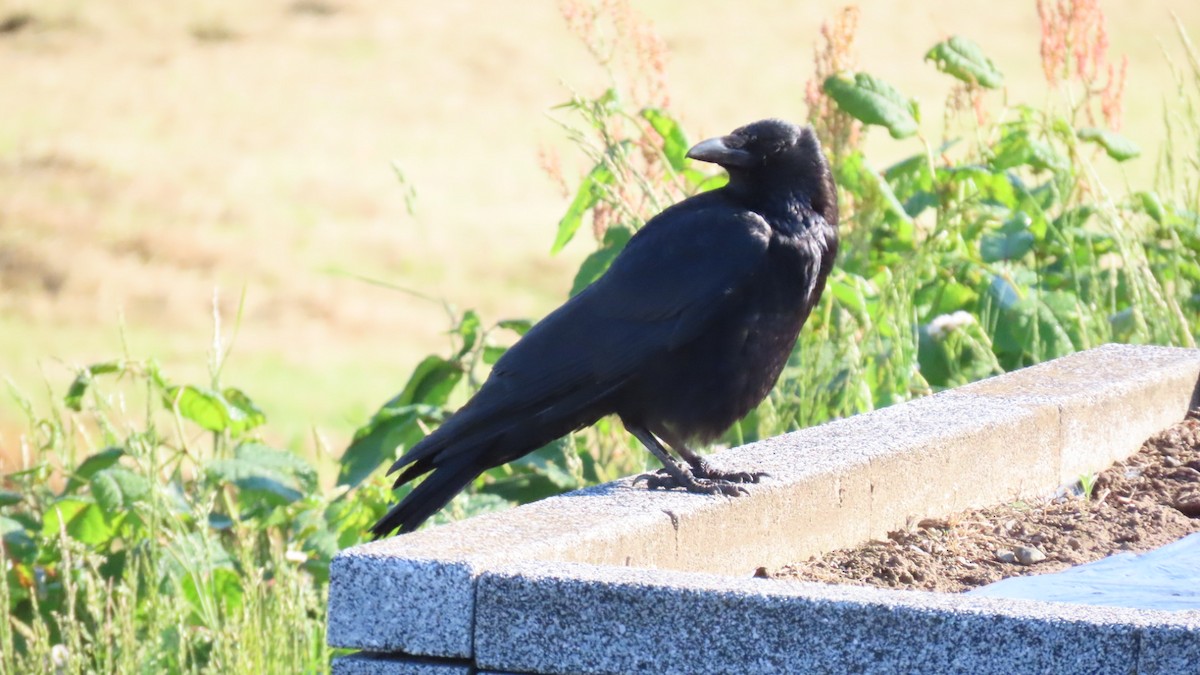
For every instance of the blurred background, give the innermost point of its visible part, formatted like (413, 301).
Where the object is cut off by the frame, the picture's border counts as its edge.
(154, 156)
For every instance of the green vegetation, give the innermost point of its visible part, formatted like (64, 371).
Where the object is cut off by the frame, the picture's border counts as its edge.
(154, 530)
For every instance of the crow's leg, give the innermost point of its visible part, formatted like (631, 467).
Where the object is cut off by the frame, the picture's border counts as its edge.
(676, 475)
(700, 466)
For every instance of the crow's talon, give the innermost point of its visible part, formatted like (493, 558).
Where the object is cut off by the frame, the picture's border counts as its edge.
(663, 480)
(706, 470)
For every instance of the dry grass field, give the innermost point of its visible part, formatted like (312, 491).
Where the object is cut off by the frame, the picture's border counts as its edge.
(151, 153)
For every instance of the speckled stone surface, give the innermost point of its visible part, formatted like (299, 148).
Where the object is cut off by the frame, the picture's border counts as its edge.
(383, 664)
(1016, 435)
(422, 607)
(1170, 649)
(574, 618)
(1106, 397)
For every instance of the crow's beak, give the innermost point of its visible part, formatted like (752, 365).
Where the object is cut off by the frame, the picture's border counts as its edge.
(719, 151)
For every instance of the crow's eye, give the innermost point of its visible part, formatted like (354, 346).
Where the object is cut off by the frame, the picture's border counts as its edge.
(736, 142)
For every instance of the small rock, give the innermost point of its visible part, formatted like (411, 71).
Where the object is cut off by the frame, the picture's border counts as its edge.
(1189, 505)
(1028, 555)
(1006, 557)
(1171, 462)
(1074, 543)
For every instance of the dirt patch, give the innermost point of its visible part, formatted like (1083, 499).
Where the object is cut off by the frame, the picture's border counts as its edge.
(1138, 504)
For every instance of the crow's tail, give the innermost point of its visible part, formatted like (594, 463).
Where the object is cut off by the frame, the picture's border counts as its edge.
(438, 488)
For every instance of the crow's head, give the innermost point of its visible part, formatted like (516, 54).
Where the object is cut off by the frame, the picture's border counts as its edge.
(770, 158)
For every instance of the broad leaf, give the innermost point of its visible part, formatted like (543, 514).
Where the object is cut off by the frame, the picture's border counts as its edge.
(74, 397)
(83, 520)
(962, 59)
(1010, 242)
(18, 545)
(92, 465)
(205, 573)
(262, 473)
(598, 262)
(518, 326)
(251, 415)
(1117, 146)
(117, 488)
(1153, 206)
(468, 329)
(430, 383)
(873, 101)
(205, 407)
(376, 442)
(1018, 148)
(856, 176)
(492, 354)
(590, 191)
(675, 144)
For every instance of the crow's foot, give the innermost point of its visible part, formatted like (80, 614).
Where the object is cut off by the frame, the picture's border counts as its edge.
(703, 469)
(666, 480)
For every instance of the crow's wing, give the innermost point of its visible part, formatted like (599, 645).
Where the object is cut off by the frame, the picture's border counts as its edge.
(661, 292)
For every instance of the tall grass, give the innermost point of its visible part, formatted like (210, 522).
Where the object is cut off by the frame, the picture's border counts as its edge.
(151, 529)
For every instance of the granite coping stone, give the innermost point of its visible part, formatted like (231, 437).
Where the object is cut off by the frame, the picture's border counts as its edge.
(1016, 435)
(566, 618)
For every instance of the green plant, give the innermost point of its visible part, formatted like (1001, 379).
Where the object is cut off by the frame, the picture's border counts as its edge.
(152, 530)
(1087, 483)
(996, 248)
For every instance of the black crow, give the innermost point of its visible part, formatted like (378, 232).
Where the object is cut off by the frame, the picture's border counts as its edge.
(685, 334)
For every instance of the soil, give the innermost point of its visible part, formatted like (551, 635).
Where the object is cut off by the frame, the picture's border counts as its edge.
(1139, 504)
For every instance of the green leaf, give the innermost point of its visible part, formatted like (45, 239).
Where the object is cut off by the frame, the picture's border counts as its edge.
(91, 466)
(1018, 147)
(1117, 146)
(82, 518)
(468, 331)
(590, 191)
(468, 505)
(1153, 206)
(205, 407)
(675, 144)
(206, 574)
(873, 101)
(492, 354)
(518, 326)
(430, 384)
(377, 441)
(1004, 292)
(1010, 242)
(598, 262)
(286, 463)
(117, 488)
(18, 545)
(856, 176)
(74, 397)
(851, 291)
(264, 475)
(540, 474)
(8, 498)
(964, 60)
(251, 415)
(550, 460)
